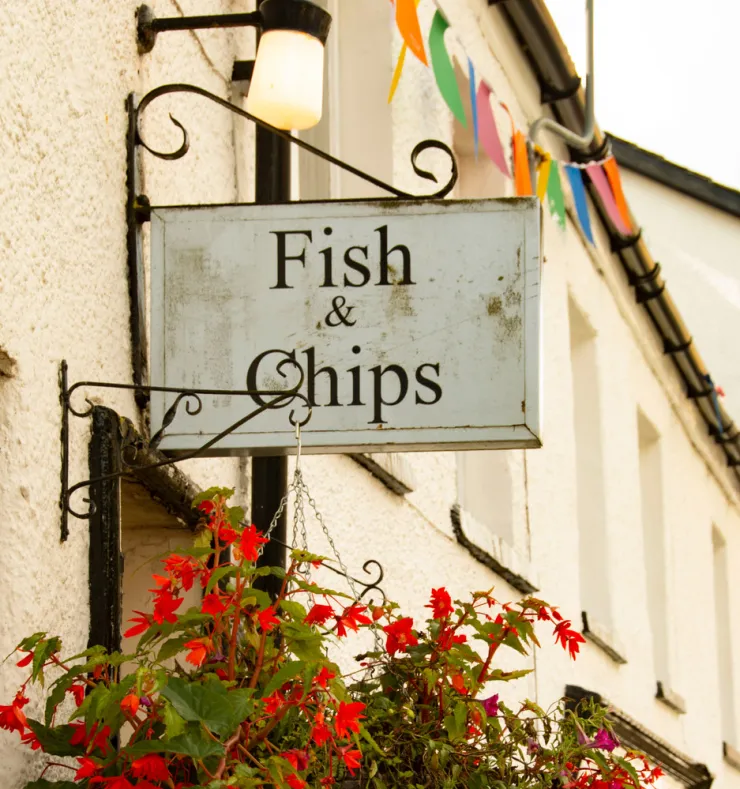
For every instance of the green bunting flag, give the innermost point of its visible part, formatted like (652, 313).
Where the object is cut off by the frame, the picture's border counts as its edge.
(555, 199)
(444, 71)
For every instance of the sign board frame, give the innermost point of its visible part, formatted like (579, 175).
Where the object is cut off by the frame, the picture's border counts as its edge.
(185, 434)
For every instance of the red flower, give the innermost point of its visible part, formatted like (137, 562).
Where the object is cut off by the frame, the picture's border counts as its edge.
(569, 639)
(297, 759)
(130, 704)
(351, 758)
(274, 702)
(267, 619)
(199, 648)
(152, 766)
(294, 782)
(81, 736)
(457, 682)
(320, 734)
(212, 605)
(114, 782)
(226, 535)
(400, 635)
(78, 691)
(318, 615)
(446, 638)
(143, 623)
(184, 568)
(440, 603)
(87, 768)
(348, 718)
(165, 606)
(352, 617)
(323, 677)
(23, 662)
(30, 739)
(250, 542)
(12, 717)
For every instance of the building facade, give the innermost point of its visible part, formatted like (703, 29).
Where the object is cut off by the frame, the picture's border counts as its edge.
(628, 517)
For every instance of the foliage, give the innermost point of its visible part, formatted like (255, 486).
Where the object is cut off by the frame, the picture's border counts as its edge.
(240, 691)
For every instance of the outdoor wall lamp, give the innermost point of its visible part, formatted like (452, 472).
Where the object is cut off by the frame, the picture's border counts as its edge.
(287, 85)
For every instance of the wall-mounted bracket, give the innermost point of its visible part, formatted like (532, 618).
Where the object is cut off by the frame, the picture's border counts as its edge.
(130, 449)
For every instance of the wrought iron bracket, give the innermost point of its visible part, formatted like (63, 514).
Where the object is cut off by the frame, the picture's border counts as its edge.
(130, 449)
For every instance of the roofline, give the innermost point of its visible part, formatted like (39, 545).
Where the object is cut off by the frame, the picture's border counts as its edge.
(541, 43)
(657, 168)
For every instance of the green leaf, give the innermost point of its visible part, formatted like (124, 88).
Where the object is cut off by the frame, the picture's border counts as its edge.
(294, 609)
(55, 741)
(171, 648)
(261, 599)
(303, 642)
(289, 670)
(29, 643)
(194, 744)
(211, 493)
(173, 722)
(58, 692)
(44, 650)
(206, 704)
(203, 540)
(218, 574)
(235, 515)
(42, 783)
(455, 723)
(624, 764)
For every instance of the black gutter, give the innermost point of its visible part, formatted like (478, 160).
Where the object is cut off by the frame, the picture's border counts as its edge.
(532, 26)
(655, 167)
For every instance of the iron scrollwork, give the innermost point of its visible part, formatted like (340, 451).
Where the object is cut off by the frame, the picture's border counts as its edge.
(419, 149)
(267, 399)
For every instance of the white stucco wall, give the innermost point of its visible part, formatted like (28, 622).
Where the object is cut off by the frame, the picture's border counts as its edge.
(63, 294)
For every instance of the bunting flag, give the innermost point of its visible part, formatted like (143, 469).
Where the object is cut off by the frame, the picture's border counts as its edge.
(603, 189)
(555, 198)
(474, 106)
(579, 198)
(489, 136)
(407, 20)
(547, 185)
(543, 176)
(444, 71)
(397, 72)
(612, 173)
(522, 175)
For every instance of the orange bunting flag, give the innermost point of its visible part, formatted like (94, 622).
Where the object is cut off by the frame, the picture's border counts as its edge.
(522, 176)
(612, 174)
(408, 26)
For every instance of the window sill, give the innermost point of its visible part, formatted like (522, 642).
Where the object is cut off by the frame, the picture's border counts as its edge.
(731, 755)
(392, 469)
(670, 698)
(603, 638)
(493, 552)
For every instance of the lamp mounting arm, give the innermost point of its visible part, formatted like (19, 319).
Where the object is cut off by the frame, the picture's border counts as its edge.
(579, 141)
(148, 25)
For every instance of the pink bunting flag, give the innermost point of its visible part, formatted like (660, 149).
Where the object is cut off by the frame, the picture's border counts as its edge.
(604, 190)
(488, 131)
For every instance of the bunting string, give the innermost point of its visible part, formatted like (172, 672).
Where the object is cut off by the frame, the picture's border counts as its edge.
(534, 170)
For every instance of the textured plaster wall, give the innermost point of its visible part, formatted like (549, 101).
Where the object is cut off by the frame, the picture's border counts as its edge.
(63, 294)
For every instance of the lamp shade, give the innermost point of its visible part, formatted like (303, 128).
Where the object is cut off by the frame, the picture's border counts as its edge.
(287, 85)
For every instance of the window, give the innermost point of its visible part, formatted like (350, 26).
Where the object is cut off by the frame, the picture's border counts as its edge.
(724, 636)
(491, 516)
(593, 547)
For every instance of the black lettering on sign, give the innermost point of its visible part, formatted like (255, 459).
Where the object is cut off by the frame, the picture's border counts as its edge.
(384, 255)
(312, 373)
(283, 257)
(431, 385)
(253, 372)
(378, 401)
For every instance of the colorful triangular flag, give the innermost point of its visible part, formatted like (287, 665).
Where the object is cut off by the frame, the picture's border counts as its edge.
(408, 25)
(543, 176)
(444, 71)
(612, 173)
(489, 136)
(575, 176)
(604, 190)
(555, 198)
(473, 106)
(522, 174)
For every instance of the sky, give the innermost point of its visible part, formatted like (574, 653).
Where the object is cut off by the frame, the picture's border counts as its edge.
(667, 76)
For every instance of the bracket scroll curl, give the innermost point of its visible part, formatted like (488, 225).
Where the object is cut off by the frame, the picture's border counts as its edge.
(419, 149)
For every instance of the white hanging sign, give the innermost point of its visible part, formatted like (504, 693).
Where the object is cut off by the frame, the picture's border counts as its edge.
(416, 325)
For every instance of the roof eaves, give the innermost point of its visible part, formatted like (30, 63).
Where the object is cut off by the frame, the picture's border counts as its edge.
(540, 41)
(657, 168)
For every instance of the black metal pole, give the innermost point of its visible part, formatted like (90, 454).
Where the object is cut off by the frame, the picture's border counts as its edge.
(270, 474)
